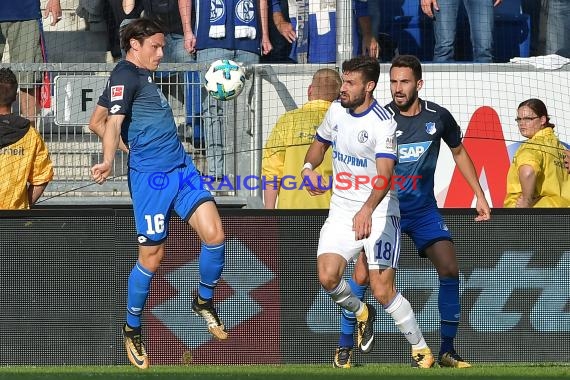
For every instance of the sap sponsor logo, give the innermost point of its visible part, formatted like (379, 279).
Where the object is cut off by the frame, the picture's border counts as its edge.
(117, 93)
(510, 285)
(412, 152)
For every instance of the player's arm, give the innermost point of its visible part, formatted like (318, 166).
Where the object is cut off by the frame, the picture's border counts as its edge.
(467, 169)
(97, 124)
(527, 179)
(313, 159)
(362, 221)
(111, 139)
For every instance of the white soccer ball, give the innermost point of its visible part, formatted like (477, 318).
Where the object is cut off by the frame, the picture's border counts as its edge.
(225, 79)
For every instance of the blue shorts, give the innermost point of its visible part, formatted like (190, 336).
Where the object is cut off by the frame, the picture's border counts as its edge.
(425, 229)
(156, 194)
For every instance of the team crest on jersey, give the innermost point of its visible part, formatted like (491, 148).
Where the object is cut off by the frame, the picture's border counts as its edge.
(362, 136)
(245, 10)
(217, 10)
(430, 128)
(117, 92)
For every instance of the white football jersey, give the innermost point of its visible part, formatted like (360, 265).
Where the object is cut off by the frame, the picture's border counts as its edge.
(357, 140)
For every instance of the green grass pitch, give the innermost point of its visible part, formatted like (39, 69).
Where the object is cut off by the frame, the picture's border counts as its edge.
(289, 371)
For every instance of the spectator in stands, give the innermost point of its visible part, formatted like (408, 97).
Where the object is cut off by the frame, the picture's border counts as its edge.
(224, 29)
(537, 177)
(141, 116)
(320, 29)
(24, 159)
(558, 28)
(481, 23)
(567, 160)
(122, 11)
(20, 23)
(288, 143)
(281, 52)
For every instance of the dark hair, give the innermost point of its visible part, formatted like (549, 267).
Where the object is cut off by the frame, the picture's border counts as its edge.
(539, 108)
(8, 87)
(368, 67)
(409, 61)
(139, 29)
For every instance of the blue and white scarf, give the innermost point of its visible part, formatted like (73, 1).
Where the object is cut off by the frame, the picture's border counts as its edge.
(244, 18)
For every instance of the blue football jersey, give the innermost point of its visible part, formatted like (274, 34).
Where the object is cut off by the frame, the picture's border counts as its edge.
(419, 139)
(148, 129)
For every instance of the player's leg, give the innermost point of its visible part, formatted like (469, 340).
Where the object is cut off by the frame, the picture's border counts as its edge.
(197, 207)
(383, 253)
(137, 293)
(442, 255)
(336, 247)
(358, 284)
(433, 240)
(151, 211)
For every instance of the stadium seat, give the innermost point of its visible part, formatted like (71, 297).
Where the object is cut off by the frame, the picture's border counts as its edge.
(512, 31)
(410, 28)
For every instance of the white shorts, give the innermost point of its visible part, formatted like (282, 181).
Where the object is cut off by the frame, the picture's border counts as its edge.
(382, 247)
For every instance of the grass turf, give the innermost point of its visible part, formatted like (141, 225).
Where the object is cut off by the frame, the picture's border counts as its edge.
(273, 372)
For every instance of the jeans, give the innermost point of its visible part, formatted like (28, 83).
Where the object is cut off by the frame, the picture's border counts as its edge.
(558, 26)
(481, 22)
(212, 110)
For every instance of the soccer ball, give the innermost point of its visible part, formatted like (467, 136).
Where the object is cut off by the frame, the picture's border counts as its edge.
(224, 79)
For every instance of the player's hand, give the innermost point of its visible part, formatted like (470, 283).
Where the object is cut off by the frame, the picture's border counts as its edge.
(483, 210)
(101, 172)
(428, 6)
(362, 223)
(567, 160)
(317, 184)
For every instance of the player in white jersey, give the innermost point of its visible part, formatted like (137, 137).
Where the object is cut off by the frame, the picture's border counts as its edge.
(364, 211)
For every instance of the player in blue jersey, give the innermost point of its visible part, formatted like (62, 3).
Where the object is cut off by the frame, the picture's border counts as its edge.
(162, 178)
(421, 127)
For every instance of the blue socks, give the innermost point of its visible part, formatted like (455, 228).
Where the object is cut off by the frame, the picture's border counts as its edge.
(211, 264)
(137, 292)
(348, 320)
(449, 311)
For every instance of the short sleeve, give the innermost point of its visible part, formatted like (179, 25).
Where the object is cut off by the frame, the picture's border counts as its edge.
(452, 132)
(123, 86)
